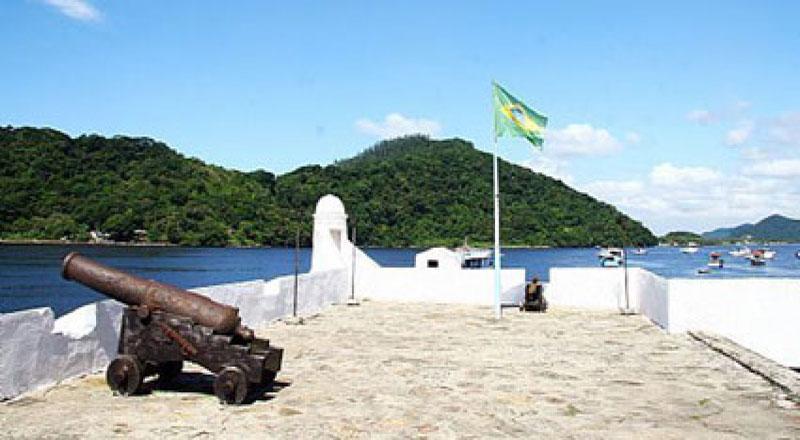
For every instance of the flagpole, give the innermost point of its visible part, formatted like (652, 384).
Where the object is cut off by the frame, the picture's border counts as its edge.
(497, 285)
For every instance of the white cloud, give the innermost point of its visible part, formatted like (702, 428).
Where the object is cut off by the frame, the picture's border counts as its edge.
(700, 198)
(785, 130)
(775, 168)
(633, 137)
(701, 116)
(581, 140)
(740, 134)
(396, 125)
(666, 174)
(78, 9)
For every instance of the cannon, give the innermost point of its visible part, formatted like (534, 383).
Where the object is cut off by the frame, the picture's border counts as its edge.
(163, 326)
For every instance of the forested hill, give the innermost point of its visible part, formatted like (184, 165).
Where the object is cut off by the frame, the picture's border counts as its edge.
(774, 227)
(406, 192)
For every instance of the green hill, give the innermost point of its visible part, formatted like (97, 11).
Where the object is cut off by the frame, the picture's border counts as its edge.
(682, 237)
(406, 192)
(774, 227)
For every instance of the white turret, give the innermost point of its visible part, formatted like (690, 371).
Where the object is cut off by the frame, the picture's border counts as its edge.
(330, 235)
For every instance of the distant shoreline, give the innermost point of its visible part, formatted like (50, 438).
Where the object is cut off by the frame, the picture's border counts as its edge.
(86, 243)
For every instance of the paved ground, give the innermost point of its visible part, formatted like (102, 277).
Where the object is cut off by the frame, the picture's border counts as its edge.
(413, 370)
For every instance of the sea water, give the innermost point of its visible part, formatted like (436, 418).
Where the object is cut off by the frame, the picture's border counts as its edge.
(30, 275)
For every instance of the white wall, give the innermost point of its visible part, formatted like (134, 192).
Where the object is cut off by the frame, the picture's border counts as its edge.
(37, 350)
(466, 286)
(761, 314)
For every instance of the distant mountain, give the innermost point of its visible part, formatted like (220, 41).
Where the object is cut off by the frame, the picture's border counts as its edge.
(411, 191)
(774, 227)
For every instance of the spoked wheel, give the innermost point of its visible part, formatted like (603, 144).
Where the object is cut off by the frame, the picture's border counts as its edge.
(230, 386)
(168, 371)
(124, 375)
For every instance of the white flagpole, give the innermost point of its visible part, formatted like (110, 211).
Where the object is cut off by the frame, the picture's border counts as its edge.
(497, 310)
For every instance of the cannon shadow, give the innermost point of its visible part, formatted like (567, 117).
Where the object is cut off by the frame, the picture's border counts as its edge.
(197, 382)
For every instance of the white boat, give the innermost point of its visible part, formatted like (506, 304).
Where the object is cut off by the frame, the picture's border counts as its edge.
(474, 258)
(740, 252)
(767, 254)
(640, 251)
(690, 249)
(611, 257)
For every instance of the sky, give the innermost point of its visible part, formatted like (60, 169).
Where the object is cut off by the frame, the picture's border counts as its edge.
(684, 115)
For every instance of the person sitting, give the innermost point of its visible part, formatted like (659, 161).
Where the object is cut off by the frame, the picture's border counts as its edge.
(534, 298)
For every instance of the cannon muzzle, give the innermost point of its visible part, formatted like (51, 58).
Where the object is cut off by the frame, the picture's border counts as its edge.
(152, 295)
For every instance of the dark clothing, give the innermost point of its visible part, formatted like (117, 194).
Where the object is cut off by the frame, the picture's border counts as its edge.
(534, 299)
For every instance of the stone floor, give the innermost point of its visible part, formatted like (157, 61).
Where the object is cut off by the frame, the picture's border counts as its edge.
(416, 370)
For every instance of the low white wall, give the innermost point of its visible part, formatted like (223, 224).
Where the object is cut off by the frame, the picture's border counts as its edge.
(466, 286)
(37, 350)
(761, 314)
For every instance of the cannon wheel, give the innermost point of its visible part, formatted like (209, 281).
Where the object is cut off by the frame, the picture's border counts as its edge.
(168, 371)
(230, 386)
(124, 375)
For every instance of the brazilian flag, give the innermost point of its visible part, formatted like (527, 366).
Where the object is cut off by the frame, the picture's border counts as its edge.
(513, 118)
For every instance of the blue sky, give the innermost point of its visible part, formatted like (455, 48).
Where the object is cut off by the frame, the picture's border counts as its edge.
(685, 115)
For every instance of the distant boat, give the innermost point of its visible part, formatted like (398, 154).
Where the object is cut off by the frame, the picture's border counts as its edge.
(611, 257)
(757, 258)
(640, 251)
(714, 260)
(767, 254)
(474, 258)
(691, 248)
(797, 254)
(740, 252)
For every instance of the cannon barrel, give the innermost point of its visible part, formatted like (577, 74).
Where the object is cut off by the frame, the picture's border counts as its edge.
(135, 291)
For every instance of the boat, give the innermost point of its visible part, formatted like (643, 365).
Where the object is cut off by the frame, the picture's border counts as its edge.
(611, 257)
(640, 251)
(474, 258)
(767, 254)
(757, 258)
(690, 248)
(797, 254)
(743, 251)
(703, 271)
(714, 260)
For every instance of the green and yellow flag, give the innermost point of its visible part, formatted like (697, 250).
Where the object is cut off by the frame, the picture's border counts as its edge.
(513, 118)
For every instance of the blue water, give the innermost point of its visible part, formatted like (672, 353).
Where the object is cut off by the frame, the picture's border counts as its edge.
(30, 275)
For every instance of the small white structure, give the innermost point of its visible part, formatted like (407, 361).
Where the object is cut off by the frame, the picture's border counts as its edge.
(330, 234)
(438, 258)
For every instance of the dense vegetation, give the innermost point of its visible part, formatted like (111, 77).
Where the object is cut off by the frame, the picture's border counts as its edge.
(682, 237)
(774, 227)
(406, 192)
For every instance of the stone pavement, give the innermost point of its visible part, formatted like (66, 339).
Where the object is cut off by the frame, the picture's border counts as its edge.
(444, 371)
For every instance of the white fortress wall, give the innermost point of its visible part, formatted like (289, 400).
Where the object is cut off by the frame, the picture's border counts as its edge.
(592, 288)
(446, 284)
(761, 314)
(465, 286)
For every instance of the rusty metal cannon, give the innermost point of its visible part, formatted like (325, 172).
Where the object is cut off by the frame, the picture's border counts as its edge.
(164, 325)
